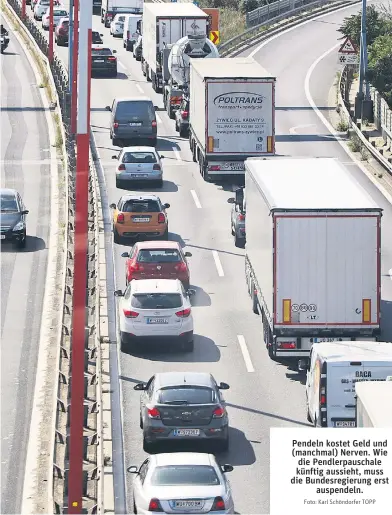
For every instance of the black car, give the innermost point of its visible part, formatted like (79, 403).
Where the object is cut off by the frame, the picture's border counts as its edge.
(181, 116)
(96, 38)
(103, 61)
(12, 218)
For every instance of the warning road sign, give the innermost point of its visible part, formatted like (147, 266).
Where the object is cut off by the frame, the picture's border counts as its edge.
(348, 47)
(348, 59)
(214, 37)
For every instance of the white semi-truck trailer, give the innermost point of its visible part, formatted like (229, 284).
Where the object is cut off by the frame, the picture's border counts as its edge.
(313, 254)
(374, 403)
(109, 9)
(232, 114)
(163, 25)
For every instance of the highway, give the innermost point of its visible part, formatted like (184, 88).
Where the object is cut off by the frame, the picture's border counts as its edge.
(263, 394)
(25, 167)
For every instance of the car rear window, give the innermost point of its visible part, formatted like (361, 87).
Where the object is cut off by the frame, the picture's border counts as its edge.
(186, 395)
(101, 51)
(141, 206)
(60, 13)
(139, 157)
(159, 256)
(137, 109)
(173, 475)
(8, 203)
(156, 300)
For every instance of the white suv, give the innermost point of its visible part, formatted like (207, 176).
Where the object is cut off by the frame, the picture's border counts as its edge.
(155, 310)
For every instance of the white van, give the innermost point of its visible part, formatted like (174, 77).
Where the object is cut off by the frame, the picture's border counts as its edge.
(132, 30)
(334, 368)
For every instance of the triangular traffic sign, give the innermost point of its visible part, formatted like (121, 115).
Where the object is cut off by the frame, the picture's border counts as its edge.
(348, 47)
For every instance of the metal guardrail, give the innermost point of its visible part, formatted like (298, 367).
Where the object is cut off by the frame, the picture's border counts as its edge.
(276, 9)
(93, 456)
(344, 87)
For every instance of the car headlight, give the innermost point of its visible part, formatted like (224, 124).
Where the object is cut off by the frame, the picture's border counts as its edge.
(19, 226)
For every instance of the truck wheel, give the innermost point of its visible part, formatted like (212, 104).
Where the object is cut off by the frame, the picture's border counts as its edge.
(308, 417)
(171, 114)
(194, 157)
(183, 132)
(254, 299)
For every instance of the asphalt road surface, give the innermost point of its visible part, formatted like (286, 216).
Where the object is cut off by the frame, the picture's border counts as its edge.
(25, 167)
(263, 394)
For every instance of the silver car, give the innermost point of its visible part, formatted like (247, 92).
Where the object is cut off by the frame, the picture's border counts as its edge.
(182, 482)
(177, 406)
(138, 164)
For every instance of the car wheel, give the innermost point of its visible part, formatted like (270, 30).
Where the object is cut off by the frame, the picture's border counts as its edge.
(134, 508)
(115, 142)
(21, 244)
(130, 47)
(125, 345)
(148, 447)
(239, 242)
(141, 421)
(117, 238)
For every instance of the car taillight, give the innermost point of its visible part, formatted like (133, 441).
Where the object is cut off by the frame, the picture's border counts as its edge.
(181, 267)
(161, 218)
(214, 168)
(219, 504)
(287, 345)
(112, 58)
(121, 167)
(241, 217)
(184, 313)
(155, 506)
(218, 412)
(184, 115)
(153, 123)
(135, 267)
(130, 314)
(323, 397)
(156, 167)
(120, 218)
(128, 34)
(115, 125)
(153, 413)
(175, 100)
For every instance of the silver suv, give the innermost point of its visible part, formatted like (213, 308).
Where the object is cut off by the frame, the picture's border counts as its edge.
(177, 406)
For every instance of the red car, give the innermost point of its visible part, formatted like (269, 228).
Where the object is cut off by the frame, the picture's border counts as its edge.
(157, 260)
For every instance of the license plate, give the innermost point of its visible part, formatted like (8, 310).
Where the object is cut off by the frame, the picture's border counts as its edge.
(139, 175)
(319, 340)
(188, 504)
(135, 124)
(186, 432)
(233, 166)
(345, 423)
(141, 219)
(98, 60)
(157, 321)
(2, 237)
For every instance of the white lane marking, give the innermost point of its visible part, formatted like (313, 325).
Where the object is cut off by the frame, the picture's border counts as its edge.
(257, 49)
(293, 130)
(218, 263)
(138, 86)
(177, 154)
(121, 64)
(390, 273)
(334, 133)
(245, 353)
(158, 118)
(196, 199)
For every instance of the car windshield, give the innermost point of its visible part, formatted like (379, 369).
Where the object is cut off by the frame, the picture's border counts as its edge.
(141, 206)
(186, 395)
(159, 256)
(8, 204)
(139, 157)
(101, 51)
(176, 475)
(156, 300)
(129, 110)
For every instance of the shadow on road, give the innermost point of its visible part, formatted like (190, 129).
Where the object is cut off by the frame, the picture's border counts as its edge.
(266, 414)
(200, 298)
(167, 187)
(33, 244)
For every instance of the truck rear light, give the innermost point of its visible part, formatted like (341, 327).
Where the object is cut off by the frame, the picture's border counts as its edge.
(184, 313)
(161, 218)
(287, 345)
(153, 123)
(156, 167)
(115, 125)
(184, 115)
(219, 504)
(218, 412)
(153, 413)
(214, 168)
(121, 167)
(130, 314)
(120, 218)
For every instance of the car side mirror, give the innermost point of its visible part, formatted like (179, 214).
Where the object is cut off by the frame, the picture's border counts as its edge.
(114, 157)
(156, 108)
(133, 469)
(101, 35)
(227, 468)
(303, 364)
(114, 51)
(125, 254)
(188, 254)
(166, 206)
(108, 108)
(139, 387)
(25, 212)
(118, 293)
(224, 386)
(113, 206)
(191, 292)
(161, 157)
(231, 200)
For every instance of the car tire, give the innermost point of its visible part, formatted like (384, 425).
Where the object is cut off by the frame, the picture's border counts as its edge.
(148, 447)
(171, 114)
(118, 183)
(239, 242)
(125, 345)
(21, 244)
(116, 236)
(130, 47)
(115, 142)
(232, 230)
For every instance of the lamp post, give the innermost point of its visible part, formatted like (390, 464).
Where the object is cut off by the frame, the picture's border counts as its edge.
(363, 102)
(75, 48)
(70, 45)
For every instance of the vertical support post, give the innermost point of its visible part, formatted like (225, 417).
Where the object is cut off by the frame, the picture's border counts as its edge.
(363, 103)
(23, 9)
(70, 46)
(79, 318)
(74, 99)
(51, 26)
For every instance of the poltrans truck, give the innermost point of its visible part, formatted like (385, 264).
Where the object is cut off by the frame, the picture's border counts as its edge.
(164, 25)
(313, 254)
(231, 115)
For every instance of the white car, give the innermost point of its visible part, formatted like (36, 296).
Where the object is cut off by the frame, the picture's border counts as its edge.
(41, 7)
(138, 164)
(155, 310)
(58, 13)
(188, 481)
(117, 25)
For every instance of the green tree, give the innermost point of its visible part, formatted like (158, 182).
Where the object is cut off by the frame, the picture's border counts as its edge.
(376, 25)
(250, 5)
(380, 66)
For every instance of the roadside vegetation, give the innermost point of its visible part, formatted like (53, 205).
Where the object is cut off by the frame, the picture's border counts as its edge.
(379, 41)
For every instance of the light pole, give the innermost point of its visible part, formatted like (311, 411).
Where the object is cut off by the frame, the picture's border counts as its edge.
(51, 25)
(363, 102)
(79, 315)
(75, 47)
(70, 46)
